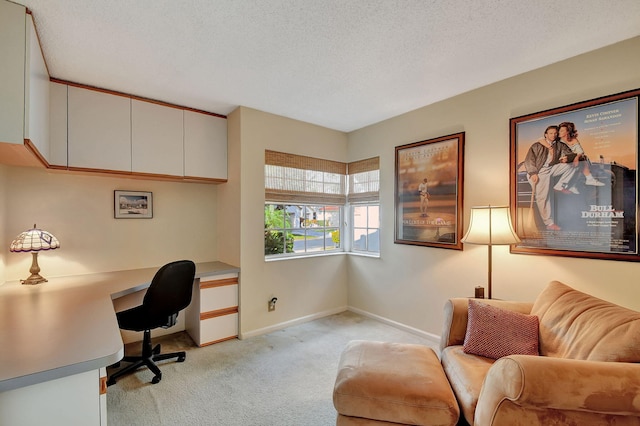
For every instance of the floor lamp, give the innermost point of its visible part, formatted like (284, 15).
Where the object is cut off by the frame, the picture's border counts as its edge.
(490, 225)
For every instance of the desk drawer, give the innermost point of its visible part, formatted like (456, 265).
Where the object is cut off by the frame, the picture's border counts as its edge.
(215, 298)
(217, 329)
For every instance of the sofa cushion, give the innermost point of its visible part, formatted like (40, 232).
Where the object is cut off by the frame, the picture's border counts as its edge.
(494, 332)
(579, 326)
(466, 374)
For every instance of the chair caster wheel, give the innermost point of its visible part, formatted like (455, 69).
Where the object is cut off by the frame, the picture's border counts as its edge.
(181, 359)
(156, 379)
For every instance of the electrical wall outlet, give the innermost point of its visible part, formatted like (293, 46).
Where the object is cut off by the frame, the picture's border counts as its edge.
(272, 304)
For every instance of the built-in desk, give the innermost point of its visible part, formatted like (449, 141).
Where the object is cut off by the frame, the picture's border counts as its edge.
(67, 326)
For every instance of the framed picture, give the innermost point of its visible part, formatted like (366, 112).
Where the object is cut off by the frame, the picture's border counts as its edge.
(574, 189)
(428, 192)
(133, 204)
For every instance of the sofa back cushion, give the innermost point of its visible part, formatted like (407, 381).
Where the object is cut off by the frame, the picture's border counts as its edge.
(579, 326)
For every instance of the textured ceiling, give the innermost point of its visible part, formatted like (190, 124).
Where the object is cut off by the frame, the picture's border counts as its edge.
(339, 64)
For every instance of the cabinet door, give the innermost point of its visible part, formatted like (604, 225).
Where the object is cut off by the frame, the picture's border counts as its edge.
(70, 400)
(99, 130)
(12, 70)
(36, 126)
(58, 124)
(156, 139)
(205, 145)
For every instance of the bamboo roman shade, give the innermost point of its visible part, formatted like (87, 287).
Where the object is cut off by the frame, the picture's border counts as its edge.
(291, 178)
(364, 180)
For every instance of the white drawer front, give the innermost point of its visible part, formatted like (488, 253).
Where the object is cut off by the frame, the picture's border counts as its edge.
(212, 299)
(218, 328)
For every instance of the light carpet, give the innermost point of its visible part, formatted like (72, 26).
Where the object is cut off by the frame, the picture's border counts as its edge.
(284, 378)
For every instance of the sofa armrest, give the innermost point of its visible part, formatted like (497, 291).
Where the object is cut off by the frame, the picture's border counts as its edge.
(537, 382)
(456, 314)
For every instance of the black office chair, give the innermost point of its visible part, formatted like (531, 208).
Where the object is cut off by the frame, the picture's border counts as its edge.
(169, 292)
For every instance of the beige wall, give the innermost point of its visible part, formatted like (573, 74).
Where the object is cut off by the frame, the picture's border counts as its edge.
(407, 285)
(78, 210)
(305, 288)
(410, 284)
(3, 225)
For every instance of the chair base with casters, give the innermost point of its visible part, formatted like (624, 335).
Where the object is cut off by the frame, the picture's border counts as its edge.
(169, 293)
(148, 358)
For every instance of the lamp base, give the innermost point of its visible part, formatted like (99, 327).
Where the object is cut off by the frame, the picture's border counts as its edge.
(34, 279)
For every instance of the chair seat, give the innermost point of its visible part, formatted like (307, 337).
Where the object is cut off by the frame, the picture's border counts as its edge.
(140, 319)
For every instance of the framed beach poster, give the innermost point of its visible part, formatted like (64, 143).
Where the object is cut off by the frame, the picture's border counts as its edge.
(574, 188)
(428, 192)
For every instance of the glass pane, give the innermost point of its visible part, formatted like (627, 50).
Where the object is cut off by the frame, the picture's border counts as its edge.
(360, 216)
(360, 239)
(332, 216)
(374, 216)
(298, 240)
(273, 216)
(374, 241)
(333, 240)
(291, 214)
(273, 242)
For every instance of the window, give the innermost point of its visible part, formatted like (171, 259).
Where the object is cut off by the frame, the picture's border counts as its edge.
(363, 195)
(305, 200)
(304, 203)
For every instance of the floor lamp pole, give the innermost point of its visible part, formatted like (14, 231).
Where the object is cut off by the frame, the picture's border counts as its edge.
(489, 269)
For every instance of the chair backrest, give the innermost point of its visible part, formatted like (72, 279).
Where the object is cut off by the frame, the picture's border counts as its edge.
(170, 290)
(580, 326)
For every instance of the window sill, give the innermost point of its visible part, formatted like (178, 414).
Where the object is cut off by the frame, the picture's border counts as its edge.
(362, 254)
(305, 256)
(340, 253)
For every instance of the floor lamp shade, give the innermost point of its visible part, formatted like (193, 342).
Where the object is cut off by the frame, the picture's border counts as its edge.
(490, 225)
(33, 241)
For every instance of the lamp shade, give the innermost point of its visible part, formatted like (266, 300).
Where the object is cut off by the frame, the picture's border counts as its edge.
(490, 225)
(34, 240)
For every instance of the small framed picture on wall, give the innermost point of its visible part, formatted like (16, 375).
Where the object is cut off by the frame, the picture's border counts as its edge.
(132, 204)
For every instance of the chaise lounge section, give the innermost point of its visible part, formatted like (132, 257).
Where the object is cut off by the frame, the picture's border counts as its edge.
(586, 373)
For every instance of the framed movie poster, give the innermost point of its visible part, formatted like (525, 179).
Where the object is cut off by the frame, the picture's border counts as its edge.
(428, 192)
(574, 187)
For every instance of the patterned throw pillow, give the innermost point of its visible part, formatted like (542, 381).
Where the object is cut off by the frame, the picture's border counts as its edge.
(494, 332)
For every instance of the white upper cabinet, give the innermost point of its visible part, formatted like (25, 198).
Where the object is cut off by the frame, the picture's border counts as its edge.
(58, 124)
(12, 70)
(205, 146)
(24, 81)
(99, 126)
(36, 127)
(156, 139)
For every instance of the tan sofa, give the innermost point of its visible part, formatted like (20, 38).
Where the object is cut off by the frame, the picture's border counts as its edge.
(586, 373)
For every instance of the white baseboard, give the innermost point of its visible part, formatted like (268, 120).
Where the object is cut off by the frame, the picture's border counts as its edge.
(429, 336)
(290, 323)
